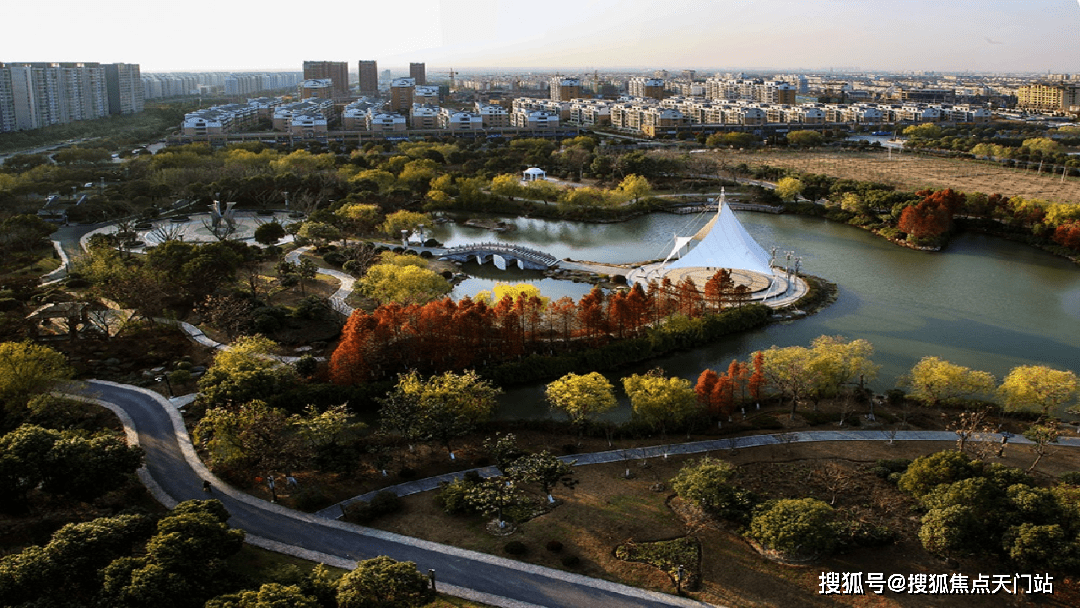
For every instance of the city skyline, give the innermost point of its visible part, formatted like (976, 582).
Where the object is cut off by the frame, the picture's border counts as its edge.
(1033, 36)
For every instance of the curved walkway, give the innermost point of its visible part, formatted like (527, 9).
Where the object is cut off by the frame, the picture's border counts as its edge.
(174, 473)
(337, 299)
(696, 447)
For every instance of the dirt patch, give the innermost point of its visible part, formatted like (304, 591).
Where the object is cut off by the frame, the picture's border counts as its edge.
(913, 173)
(607, 509)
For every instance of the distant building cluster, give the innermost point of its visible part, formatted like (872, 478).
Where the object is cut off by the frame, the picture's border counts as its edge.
(662, 103)
(36, 95)
(184, 84)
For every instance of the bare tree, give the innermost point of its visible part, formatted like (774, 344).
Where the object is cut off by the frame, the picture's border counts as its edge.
(164, 232)
(1042, 434)
(834, 477)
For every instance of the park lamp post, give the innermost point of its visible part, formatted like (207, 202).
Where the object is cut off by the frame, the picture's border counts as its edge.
(680, 573)
(167, 383)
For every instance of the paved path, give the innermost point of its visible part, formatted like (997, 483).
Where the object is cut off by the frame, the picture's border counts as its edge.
(173, 473)
(696, 447)
(347, 282)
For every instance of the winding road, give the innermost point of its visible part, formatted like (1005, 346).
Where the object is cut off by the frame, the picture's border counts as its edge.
(173, 473)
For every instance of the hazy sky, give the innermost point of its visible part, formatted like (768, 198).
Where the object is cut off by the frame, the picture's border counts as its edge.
(939, 35)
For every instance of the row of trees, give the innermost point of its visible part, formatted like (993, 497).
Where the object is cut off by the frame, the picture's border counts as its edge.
(1027, 388)
(180, 561)
(444, 334)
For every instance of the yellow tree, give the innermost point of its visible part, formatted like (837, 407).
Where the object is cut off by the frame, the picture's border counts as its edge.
(789, 188)
(1037, 388)
(661, 402)
(403, 220)
(840, 361)
(633, 187)
(361, 218)
(27, 369)
(791, 371)
(515, 291)
(581, 397)
(934, 381)
(506, 184)
(403, 284)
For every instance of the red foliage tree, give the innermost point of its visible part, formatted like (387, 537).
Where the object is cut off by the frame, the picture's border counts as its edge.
(348, 363)
(723, 396)
(706, 383)
(757, 379)
(1068, 235)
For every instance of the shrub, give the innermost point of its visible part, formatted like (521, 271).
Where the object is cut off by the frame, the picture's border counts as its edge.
(452, 499)
(571, 561)
(554, 546)
(799, 527)
(311, 499)
(886, 467)
(927, 472)
(515, 547)
(383, 503)
(1072, 478)
(407, 473)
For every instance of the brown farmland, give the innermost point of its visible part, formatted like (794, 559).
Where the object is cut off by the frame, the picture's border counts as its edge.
(909, 172)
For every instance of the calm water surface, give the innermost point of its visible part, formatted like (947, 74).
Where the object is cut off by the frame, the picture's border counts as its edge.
(985, 303)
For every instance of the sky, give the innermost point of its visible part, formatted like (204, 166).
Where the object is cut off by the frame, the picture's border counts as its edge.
(232, 35)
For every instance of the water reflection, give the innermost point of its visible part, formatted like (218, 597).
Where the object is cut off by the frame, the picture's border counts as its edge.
(985, 303)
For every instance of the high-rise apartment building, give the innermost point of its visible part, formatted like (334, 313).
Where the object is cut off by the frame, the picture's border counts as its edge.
(418, 72)
(565, 89)
(125, 88)
(369, 77)
(336, 71)
(35, 95)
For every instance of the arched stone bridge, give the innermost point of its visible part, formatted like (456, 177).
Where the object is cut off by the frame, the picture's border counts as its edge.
(501, 254)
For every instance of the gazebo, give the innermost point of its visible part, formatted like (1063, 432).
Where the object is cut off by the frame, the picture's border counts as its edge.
(533, 174)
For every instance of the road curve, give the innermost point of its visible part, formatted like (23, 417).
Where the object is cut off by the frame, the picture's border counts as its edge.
(174, 473)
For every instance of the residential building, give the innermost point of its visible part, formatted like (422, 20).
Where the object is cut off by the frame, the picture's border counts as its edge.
(369, 77)
(537, 120)
(646, 87)
(418, 73)
(1048, 96)
(125, 88)
(35, 95)
(492, 116)
(426, 95)
(321, 88)
(456, 120)
(336, 71)
(401, 94)
(424, 117)
(565, 89)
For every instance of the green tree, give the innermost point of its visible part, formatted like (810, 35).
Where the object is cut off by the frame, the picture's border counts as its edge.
(248, 439)
(927, 472)
(384, 583)
(1037, 388)
(442, 407)
(800, 527)
(318, 232)
(581, 396)
(661, 402)
(542, 468)
(1032, 547)
(269, 595)
(245, 372)
(1043, 145)
(950, 531)
(789, 188)
(27, 369)
(705, 483)
(269, 233)
(790, 371)
(65, 572)
(24, 232)
(403, 284)
(935, 381)
(493, 496)
(184, 564)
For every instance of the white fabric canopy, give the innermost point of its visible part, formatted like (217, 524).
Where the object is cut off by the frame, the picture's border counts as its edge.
(722, 243)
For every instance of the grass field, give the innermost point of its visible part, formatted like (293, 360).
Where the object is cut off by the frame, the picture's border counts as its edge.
(910, 172)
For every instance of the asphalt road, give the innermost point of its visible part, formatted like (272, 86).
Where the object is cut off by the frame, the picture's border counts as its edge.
(174, 475)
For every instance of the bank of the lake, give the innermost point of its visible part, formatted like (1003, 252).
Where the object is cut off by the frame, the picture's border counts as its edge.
(984, 302)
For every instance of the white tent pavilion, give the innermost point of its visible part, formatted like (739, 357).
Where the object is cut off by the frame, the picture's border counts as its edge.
(722, 243)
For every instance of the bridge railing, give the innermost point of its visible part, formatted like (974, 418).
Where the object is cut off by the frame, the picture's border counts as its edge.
(515, 250)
